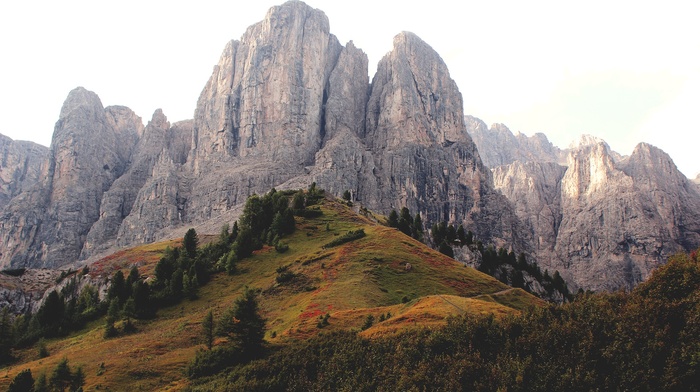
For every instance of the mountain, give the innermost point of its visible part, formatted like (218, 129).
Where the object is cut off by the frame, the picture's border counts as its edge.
(287, 105)
(604, 221)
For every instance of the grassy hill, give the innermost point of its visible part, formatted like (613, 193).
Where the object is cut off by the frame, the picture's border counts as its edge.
(367, 276)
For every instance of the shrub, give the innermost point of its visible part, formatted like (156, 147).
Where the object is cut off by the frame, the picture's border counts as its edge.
(349, 236)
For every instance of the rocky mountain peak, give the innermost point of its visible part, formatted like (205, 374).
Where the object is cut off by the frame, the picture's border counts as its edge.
(265, 98)
(81, 99)
(590, 168)
(419, 101)
(585, 140)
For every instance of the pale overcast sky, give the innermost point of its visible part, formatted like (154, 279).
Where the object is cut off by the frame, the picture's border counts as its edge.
(625, 71)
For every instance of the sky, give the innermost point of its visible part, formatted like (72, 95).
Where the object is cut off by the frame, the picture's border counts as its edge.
(624, 71)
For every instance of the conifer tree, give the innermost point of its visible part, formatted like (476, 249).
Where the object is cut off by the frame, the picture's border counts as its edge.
(23, 382)
(208, 329)
(243, 323)
(418, 227)
(190, 242)
(393, 220)
(405, 221)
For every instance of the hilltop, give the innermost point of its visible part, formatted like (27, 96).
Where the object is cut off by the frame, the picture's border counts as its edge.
(349, 282)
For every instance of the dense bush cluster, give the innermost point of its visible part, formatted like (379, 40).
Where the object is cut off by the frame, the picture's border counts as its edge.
(644, 340)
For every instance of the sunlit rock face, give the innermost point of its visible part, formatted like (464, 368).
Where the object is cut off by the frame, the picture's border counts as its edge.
(604, 221)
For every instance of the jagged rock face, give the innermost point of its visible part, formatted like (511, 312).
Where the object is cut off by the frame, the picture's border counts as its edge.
(535, 190)
(87, 155)
(265, 98)
(118, 201)
(159, 169)
(617, 220)
(20, 294)
(498, 146)
(415, 151)
(413, 99)
(22, 164)
(285, 106)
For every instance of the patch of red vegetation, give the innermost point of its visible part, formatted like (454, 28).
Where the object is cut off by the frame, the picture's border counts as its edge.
(461, 286)
(330, 274)
(311, 314)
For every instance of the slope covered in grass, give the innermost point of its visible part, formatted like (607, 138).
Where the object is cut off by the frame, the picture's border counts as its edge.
(382, 273)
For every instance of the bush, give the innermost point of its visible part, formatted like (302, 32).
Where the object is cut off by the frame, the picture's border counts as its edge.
(349, 236)
(281, 247)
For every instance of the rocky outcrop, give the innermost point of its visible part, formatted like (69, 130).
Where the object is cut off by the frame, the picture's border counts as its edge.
(22, 164)
(499, 146)
(47, 225)
(118, 201)
(22, 292)
(265, 98)
(604, 224)
(534, 188)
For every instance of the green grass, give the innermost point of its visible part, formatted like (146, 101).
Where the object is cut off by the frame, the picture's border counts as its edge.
(349, 281)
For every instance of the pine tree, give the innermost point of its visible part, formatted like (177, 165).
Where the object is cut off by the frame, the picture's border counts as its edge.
(393, 220)
(243, 323)
(118, 287)
(23, 382)
(446, 249)
(190, 242)
(418, 227)
(346, 195)
(41, 385)
(208, 329)
(299, 203)
(405, 221)
(6, 337)
(461, 235)
(61, 376)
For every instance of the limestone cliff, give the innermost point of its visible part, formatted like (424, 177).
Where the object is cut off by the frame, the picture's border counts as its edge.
(499, 146)
(46, 226)
(604, 224)
(22, 164)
